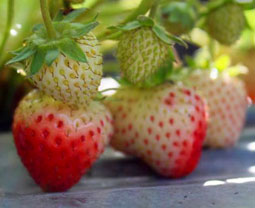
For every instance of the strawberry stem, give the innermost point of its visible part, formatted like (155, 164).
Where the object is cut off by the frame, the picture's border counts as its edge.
(154, 9)
(47, 20)
(10, 12)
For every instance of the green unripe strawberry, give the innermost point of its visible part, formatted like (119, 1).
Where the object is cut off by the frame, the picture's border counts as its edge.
(178, 17)
(226, 23)
(141, 53)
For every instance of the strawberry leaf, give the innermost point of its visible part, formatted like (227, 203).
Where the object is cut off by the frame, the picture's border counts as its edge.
(74, 14)
(161, 34)
(37, 61)
(71, 49)
(51, 56)
(129, 26)
(22, 55)
(78, 30)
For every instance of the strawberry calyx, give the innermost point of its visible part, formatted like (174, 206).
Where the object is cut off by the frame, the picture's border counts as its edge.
(144, 21)
(44, 50)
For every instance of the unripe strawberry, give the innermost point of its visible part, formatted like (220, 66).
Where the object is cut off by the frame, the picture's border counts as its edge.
(226, 23)
(70, 81)
(178, 17)
(141, 53)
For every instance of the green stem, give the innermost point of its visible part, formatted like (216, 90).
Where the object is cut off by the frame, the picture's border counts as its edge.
(47, 20)
(142, 9)
(154, 9)
(10, 12)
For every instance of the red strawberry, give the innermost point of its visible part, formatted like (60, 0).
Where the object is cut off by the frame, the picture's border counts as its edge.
(165, 126)
(58, 144)
(227, 103)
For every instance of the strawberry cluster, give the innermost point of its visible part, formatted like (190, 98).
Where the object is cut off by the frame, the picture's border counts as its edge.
(163, 113)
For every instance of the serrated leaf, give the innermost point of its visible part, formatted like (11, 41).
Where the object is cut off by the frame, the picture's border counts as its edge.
(145, 21)
(22, 55)
(78, 30)
(74, 14)
(51, 56)
(37, 61)
(72, 50)
(161, 34)
(129, 26)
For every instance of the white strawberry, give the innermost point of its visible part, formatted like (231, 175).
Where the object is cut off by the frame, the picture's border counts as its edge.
(227, 103)
(165, 126)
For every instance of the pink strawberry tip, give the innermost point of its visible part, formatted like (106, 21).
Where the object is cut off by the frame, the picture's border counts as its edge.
(41, 49)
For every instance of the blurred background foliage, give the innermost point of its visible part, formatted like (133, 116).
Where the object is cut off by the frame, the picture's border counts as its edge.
(111, 12)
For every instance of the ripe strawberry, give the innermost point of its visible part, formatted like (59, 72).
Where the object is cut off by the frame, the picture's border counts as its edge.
(58, 144)
(226, 23)
(67, 66)
(141, 53)
(71, 81)
(227, 103)
(165, 126)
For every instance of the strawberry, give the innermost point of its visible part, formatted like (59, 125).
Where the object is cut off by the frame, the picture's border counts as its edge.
(71, 81)
(56, 143)
(67, 66)
(141, 53)
(226, 23)
(178, 17)
(143, 48)
(165, 126)
(227, 103)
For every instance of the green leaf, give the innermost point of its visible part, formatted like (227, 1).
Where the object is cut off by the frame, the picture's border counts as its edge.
(37, 61)
(22, 55)
(161, 33)
(78, 30)
(74, 14)
(51, 56)
(129, 26)
(71, 49)
(145, 21)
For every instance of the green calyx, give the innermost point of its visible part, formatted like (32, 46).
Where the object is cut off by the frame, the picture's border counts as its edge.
(178, 17)
(144, 21)
(41, 49)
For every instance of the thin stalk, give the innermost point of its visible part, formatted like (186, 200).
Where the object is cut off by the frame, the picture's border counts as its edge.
(47, 20)
(10, 12)
(154, 9)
